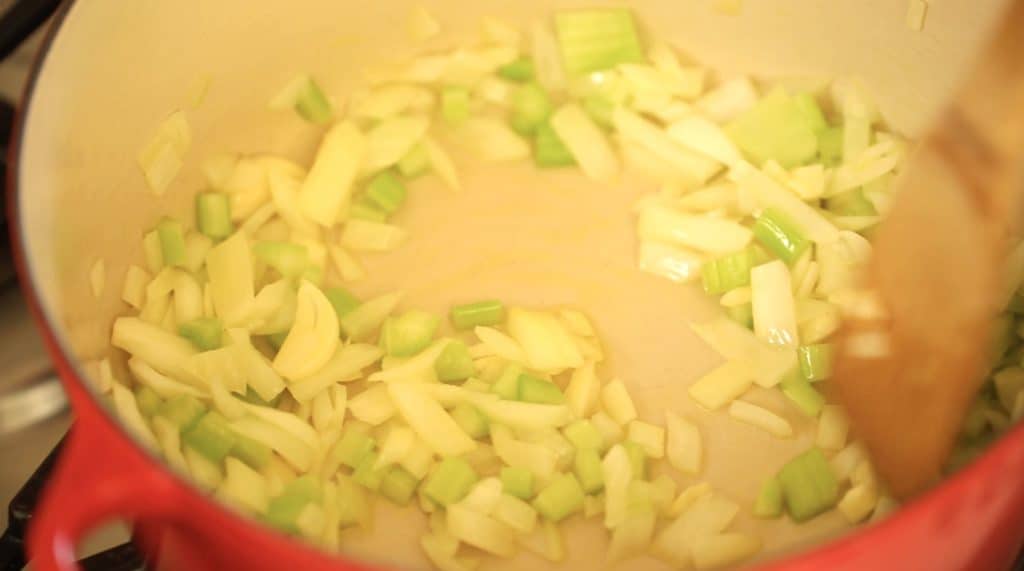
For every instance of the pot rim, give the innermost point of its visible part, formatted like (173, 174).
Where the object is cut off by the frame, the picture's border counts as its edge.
(984, 468)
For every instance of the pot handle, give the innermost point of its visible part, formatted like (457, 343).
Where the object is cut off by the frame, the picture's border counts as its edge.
(100, 476)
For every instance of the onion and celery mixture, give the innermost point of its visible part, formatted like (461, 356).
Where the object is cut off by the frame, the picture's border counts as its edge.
(252, 368)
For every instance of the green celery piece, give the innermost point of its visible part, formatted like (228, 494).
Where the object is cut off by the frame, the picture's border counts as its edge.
(530, 108)
(455, 104)
(450, 482)
(471, 420)
(808, 485)
(149, 402)
(172, 241)
(284, 509)
(850, 203)
(637, 459)
(363, 208)
(342, 300)
(454, 363)
(386, 191)
(587, 467)
(366, 474)
(830, 146)
(353, 447)
(507, 386)
(600, 108)
(780, 235)
(548, 149)
(470, 315)
(560, 499)
(398, 485)
(255, 454)
(312, 105)
(204, 332)
(584, 435)
(415, 162)
(520, 70)
(183, 411)
(213, 215)
(289, 259)
(816, 361)
(540, 391)
(597, 39)
(727, 272)
(810, 112)
(769, 501)
(742, 314)
(409, 333)
(777, 128)
(798, 390)
(210, 436)
(517, 481)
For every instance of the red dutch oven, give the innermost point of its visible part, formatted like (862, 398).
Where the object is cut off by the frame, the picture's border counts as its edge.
(110, 70)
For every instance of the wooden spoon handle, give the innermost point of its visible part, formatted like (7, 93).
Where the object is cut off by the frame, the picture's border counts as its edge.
(908, 377)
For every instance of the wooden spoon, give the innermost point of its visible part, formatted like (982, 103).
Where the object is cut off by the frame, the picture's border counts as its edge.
(908, 378)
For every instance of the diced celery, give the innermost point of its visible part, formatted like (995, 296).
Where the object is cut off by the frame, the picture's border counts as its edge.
(310, 102)
(587, 467)
(517, 482)
(485, 313)
(213, 215)
(415, 162)
(362, 208)
(454, 363)
(451, 481)
(531, 108)
(520, 69)
(560, 499)
(798, 390)
(780, 127)
(182, 411)
(353, 448)
(148, 401)
(386, 191)
(600, 108)
(769, 501)
(830, 146)
(366, 473)
(409, 333)
(850, 203)
(637, 459)
(584, 435)
(204, 333)
(172, 242)
(597, 39)
(727, 272)
(471, 420)
(455, 104)
(210, 436)
(535, 390)
(342, 300)
(780, 235)
(507, 386)
(255, 454)
(808, 485)
(549, 150)
(287, 258)
(284, 510)
(398, 486)
(816, 361)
